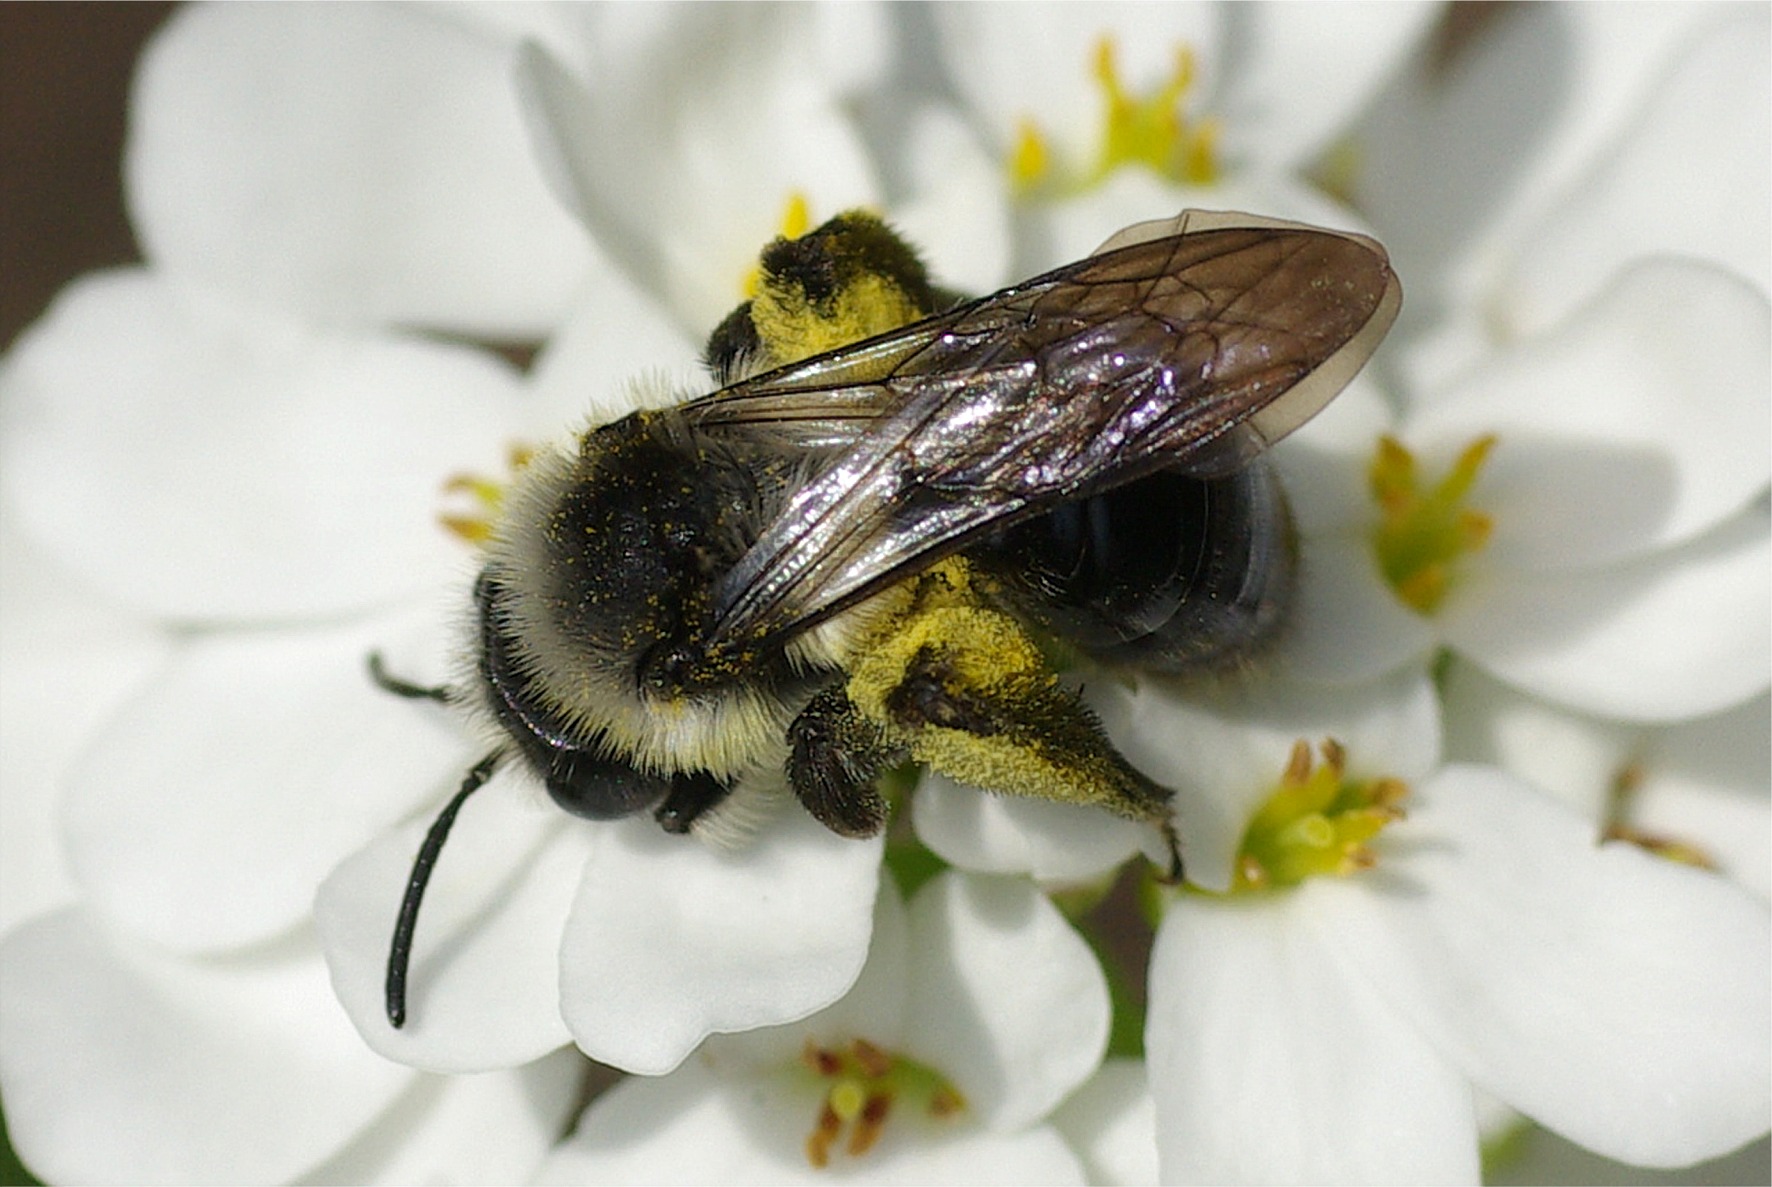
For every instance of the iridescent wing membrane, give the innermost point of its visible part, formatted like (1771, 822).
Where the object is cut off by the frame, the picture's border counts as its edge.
(1190, 345)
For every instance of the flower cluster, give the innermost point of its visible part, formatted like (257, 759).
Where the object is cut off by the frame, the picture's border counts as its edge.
(1479, 849)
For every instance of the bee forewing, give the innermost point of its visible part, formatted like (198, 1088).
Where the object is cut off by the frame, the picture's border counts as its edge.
(1190, 351)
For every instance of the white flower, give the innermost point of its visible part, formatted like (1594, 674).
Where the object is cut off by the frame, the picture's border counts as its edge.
(1103, 113)
(270, 488)
(1333, 1027)
(978, 1011)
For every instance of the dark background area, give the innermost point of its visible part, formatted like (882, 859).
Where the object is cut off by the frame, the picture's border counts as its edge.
(64, 85)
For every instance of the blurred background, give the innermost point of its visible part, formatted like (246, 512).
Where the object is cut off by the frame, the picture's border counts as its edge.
(64, 83)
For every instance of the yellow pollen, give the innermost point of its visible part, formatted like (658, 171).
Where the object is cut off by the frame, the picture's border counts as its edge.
(796, 220)
(865, 1083)
(486, 497)
(1424, 530)
(1151, 130)
(1316, 822)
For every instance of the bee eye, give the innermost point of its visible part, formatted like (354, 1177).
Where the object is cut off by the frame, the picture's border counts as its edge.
(598, 788)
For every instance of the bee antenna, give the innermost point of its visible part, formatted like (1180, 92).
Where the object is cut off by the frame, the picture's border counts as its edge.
(400, 951)
(387, 682)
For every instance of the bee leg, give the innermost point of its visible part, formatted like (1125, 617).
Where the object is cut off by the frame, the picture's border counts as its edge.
(981, 706)
(835, 754)
(691, 795)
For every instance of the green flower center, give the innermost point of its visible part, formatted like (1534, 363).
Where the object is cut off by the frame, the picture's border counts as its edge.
(1316, 822)
(863, 1083)
(1152, 130)
(1425, 530)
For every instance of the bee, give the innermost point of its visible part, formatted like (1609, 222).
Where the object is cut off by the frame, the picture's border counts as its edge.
(864, 546)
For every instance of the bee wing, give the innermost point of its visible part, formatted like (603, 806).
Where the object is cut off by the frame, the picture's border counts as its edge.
(1190, 349)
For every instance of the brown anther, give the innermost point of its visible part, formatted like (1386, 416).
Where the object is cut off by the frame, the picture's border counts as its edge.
(821, 1060)
(1390, 792)
(1357, 858)
(872, 1061)
(819, 1141)
(1333, 755)
(1298, 763)
(868, 1126)
(945, 1102)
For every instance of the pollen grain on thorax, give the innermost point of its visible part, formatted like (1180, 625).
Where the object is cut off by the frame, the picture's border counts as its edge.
(863, 1084)
(484, 496)
(1316, 822)
(1425, 530)
(1153, 130)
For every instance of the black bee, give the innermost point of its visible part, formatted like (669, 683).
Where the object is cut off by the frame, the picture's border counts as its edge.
(862, 547)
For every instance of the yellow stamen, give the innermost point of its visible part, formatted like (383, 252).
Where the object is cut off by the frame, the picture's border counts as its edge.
(486, 497)
(1316, 822)
(866, 1083)
(1424, 531)
(1151, 130)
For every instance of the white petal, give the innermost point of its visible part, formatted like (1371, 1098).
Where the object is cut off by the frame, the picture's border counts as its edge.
(358, 164)
(1305, 71)
(1346, 626)
(1323, 466)
(1036, 62)
(670, 940)
(726, 101)
(495, 1127)
(201, 458)
(955, 210)
(1111, 1122)
(1224, 749)
(1614, 997)
(1528, 96)
(874, 1008)
(693, 1127)
(1269, 1064)
(1006, 999)
(1642, 422)
(1692, 176)
(214, 803)
(68, 659)
(483, 991)
(123, 1065)
(1574, 756)
(1676, 634)
(618, 350)
(992, 834)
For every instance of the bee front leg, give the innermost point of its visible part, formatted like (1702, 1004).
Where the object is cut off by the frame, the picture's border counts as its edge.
(835, 755)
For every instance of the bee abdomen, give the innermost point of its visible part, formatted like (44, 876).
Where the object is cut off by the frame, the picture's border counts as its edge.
(1167, 573)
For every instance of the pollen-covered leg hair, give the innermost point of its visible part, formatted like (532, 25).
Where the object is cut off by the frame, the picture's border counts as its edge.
(835, 755)
(964, 688)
